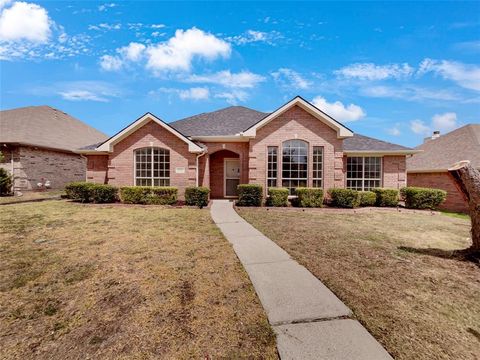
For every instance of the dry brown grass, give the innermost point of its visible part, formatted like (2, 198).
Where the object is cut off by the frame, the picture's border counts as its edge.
(117, 282)
(31, 196)
(396, 271)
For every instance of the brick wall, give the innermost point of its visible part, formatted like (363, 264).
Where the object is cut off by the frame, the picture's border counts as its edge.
(394, 172)
(296, 123)
(440, 180)
(31, 164)
(97, 169)
(121, 161)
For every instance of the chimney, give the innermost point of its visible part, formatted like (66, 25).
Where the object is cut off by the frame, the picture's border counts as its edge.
(435, 135)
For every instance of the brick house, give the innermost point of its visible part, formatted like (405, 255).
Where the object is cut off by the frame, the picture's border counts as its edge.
(38, 143)
(429, 167)
(296, 145)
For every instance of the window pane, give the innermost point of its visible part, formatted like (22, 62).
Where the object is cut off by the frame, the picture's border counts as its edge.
(317, 166)
(294, 164)
(364, 173)
(152, 167)
(272, 166)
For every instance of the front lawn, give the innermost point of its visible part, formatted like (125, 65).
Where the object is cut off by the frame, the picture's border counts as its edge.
(123, 282)
(32, 196)
(395, 270)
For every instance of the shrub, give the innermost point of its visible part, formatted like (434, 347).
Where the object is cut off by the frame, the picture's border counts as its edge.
(309, 197)
(5, 183)
(89, 192)
(367, 198)
(277, 197)
(345, 198)
(148, 195)
(250, 195)
(79, 191)
(197, 196)
(386, 197)
(422, 198)
(101, 193)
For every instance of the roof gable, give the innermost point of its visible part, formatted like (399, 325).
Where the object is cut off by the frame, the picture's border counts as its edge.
(108, 145)
(342, 131)
(441, 153)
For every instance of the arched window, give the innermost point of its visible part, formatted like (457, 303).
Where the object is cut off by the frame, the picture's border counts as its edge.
(294, 164)
(152, 167)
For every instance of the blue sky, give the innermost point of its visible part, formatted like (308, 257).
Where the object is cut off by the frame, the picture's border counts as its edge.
(395, 71)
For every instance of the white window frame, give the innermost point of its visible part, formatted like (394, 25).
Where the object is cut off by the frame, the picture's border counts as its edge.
(268, 163)
(151, 177)
(283, 164)
(363, 178)
(321, 167)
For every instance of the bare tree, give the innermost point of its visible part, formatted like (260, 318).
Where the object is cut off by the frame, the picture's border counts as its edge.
(467, 179)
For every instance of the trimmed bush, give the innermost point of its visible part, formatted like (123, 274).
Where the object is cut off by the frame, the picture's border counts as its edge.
(367, 198)
(197, 196)
(250, 195)
(309, 197)
(345, 198)
(5, 183)
(277, 197)
(103, 193)
(148, 195)
(422, 198)
(386, 197)
(89, 192)
(79, 191)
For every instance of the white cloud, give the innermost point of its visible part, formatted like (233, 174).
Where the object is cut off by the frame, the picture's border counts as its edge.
(419, 127)
(409, 92)
(133, 51)
(339, 111)
(111, 63)
(195, 93)
(445, 122)
(25, 21)
(243, 79)
(157, 26)
(82, 95)
(105, 26)
(251, 36)
(233, 97)
(107, 6)
(394, 131)
(468, 46)
(465, 75)
(4, 3)
(370, 71)
(288, 78)
(178, 52)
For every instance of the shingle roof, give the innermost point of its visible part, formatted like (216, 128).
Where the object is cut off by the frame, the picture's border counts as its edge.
(45, 126)
(364, 143)
(224, 122)
(443, 152)
(235, 119)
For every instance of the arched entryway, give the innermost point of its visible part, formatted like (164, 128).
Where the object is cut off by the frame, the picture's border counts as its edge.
(225, 172)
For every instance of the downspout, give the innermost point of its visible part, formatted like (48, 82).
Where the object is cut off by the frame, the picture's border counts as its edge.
(197, 172)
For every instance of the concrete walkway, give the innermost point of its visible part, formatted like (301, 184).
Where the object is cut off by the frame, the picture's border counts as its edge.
(309, 320)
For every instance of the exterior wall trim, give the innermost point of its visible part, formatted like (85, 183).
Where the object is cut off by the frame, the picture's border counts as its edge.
(342, 131)
(379, 153)
(107, 146)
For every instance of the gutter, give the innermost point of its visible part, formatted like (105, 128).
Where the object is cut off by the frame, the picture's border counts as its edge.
(378, 152)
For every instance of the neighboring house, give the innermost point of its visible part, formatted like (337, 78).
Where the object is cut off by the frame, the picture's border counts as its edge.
(296, 145)
(429, 168)
(38, 144)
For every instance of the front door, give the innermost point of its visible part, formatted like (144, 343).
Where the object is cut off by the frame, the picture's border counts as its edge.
(232, 177)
